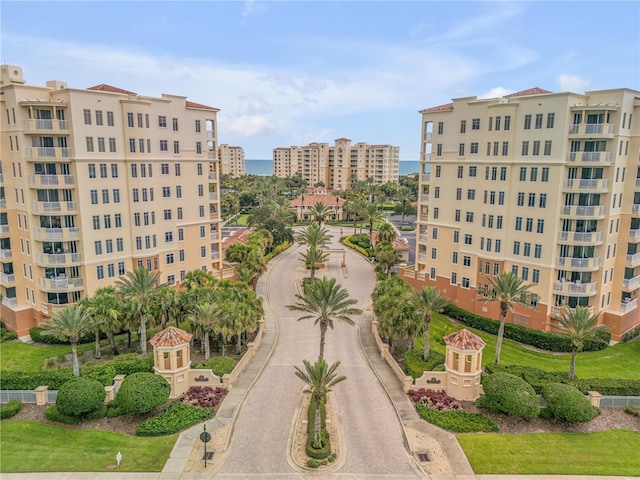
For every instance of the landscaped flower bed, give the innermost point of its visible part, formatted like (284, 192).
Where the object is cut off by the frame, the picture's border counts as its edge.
(203, 396)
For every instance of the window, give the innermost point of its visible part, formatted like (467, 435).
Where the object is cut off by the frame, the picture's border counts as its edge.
(198, 148)
(520, 199)
(181, 234)
(507, 122)
(471, 194)
(89, 144)
(121, 268)
(119, 244)
(130, 119)
(516, 248)
(500, 198)
(460, 171)
(547, 147)
(87, 116)
(518, 223)
(457, 215)
(92, 170)
(468, 239)
(536, 147)
(499, 220)
(108, 245)
(201, 211)
(107, 221)
(465, 282)
(179, 213)
(440, 128)
(162, 121)
(169, 258)
(527, 249)
(454, 258)
(176, 147)
(466, 260)
(117, 220)
(454, 278)
(537, 251)
(94, 197)
(434, 233)
(164, 146)
(461, 150)
(198, 126)
(473, 171)
(503, 173)
(175, 124)
(539, 120)
(456, 236)
(535, 276)
(97, 245)
(114, 170)
(534, 174)
(164, 168)
(545, 174)
(529, 225)
(523, 174)
(492, 198)
(177, 169)
(166, 192)
(439, 150)
(550, 119)
(525, 273)
(136, 195)
(488, 149)
(532, 200)
(178, 191)
(434, 253)
(475, 124)
(146, 120)
(438, 171)
(105, 195)
(496, 146)
(100, 272)
(494, 173)
(525, 148)
(498, 246)
(458, 193)
(540, 228)
(111, 270)
(436, 213)
(168, 237)
(136, 219)
(116, 195)
(203, 252)
(469, 217)
(527, 122)
(132, 145)
(140, 124)
(110, 121)
(96, 222)
(141, 145)
(147, 242)
(474, 148)
(112, 144)
(497, 123)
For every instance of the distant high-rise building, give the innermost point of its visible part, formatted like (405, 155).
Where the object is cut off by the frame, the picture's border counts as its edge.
(337, 167)
(231, 160)
(546, 185)
(97, 182)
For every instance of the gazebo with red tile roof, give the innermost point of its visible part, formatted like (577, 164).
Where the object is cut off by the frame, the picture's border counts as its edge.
(172, 358)
(464, 340)
(463, 364)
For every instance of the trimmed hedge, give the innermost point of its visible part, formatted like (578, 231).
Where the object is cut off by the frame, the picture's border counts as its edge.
(510, 394)
(174, 417)
(129, 363)
(11, 408)
(457, 420)
(80, 397)
(568, 404)
(548, 341)
(36, 334)
(632, 410)
(6, 335)
(325, 451)
(141, 392)
(415, 366)
(347, 241)
(276, 250)
(218, 365)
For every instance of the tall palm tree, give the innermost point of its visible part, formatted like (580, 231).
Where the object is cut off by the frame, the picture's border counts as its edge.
(319, 211)
(508, 290)
(371, 214)
(326, 302)
(197, 278)
(320, 380)
(69, 324)
(427, 301)
(404, 196)
(579, 325)
(105, 307)
(385, 233)
(204, 318)
(314, 236)
(313, 257)
(386, 257)
(138, 288)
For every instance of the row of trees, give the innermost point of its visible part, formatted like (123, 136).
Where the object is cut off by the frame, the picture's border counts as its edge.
(138, 301)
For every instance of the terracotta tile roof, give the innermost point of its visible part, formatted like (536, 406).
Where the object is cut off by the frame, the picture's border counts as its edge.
(397, 244)
(103, 87)
(170, 337)
(313, 198)
(531, 91)
(464, 340)
(238, 236)
(189, 104)
(448, 106)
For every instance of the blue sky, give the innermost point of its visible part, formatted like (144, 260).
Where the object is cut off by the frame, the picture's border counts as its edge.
(291, 73)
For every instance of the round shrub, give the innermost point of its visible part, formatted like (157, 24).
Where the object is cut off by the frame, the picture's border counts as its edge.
(219, 365)
(567, 403)
(80, 397)
(11, 408)
(415, 366)
(511, 395)
(142, 392)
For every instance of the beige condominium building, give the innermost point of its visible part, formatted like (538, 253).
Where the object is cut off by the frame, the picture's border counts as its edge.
(339, 165)
(546, 185)
(231, 160)
(97, 182)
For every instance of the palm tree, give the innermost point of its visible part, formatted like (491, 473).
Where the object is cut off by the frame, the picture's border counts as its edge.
(386, 257)
(314, 236)
(204, 319)
(312, 258)
(69, 324)
(326, 302)
(319, 211)
(427, 301)
(405, 197)
(579, 325)
(508, 290)
(105, 307)
(320, 380)
(371, 214)
(385, 233)
(139, 288)
(197, 278)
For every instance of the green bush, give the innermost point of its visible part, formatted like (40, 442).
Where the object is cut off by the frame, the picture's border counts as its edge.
(548, 341)
(313, 463)
(11, 408)
(631, 334)
(533, 376)
(80, 397)
(36, 334)
(457, 420)
(276, 250)
(52, 413)
(567, 403)
(415, 366)
(609, 386)
(19, 380)
(633, 410)
(6, 335)
(325, 450)
(219, 365)
(131, 363)
(174, 417)
(142, 392)
(348, 241)
(511, 395)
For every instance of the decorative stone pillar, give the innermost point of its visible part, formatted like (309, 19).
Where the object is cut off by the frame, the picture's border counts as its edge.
(463, 364)
(172, 358)
(41, 395)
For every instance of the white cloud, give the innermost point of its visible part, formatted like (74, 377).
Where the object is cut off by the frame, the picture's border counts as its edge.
(252, 7)
(247, 125)
(496, 92)
(572, 83)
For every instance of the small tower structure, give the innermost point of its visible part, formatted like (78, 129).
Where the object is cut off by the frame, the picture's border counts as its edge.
(172, 358)
(463, 364)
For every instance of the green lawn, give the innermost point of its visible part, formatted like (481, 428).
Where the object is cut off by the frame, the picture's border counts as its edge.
(16, 355)
(614, 452)
(620, 361)
(35, 447)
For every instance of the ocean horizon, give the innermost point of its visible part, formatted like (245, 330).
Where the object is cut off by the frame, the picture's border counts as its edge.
(265, 167)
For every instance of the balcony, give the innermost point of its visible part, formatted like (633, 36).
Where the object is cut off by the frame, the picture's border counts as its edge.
(423, 237)
(211, 155)
(593, 185)
(579, 263)
(215, 255)
(592, 158)
(50, 180)
(61, 284)
(428, 136)
(60, 207)
(44, 125)
(556, 311)
(631, 283)
(424, 197)
(600, 130)
(4, 229)
(591, 238)
(10, 301)
(3, 203)
(628, 306)
(581, 211)
(47, 152)
(213, 176)
(58, 259)
(634, 235)
(632, 260)
(423, 217)
(56, 233)
(422, 257)
(575, 289)
(213, 196)
(635, 208)
(211, 134)
(7, 277)
(5, 253)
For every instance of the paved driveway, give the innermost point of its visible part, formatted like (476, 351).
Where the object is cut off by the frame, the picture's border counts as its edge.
(373, 435)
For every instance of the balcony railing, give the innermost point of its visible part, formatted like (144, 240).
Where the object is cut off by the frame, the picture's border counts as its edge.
(574, 288)
(586, 184)
(634, 235)
(211, 134)
(58, 258)
(10, 301)
(428, 136)
(422, 257)
(423, 237)
(215, 255)
(581, 237)
(36, 125)
(628, 306)
(423, 217)
(5, 253)
(589, 157)
(213, 196)
(56, 233)
(424, 197)
(635, 208)
(590, 263)
(633, 259)
(4, 229)
(631, 282)
(66, 207)
(61, 283)
(49, 180)
(556, 311)
(591, 129)
(7, 277)
(213, 176)
(3, 203)
(48, 152)
(583, 211)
